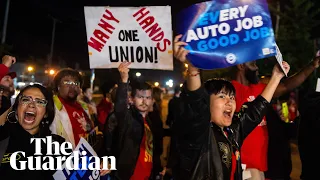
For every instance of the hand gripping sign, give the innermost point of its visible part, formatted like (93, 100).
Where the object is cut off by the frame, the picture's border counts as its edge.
(141, 35)
(224, 33)
(85, 164)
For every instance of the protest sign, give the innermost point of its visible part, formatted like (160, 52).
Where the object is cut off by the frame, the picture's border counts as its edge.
(280, 59)
(141, 35)
(83, 147)
(224, 33)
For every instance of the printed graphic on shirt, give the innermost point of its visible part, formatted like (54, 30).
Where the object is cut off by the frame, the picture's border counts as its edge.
(250, 98)
(148, 144)
(6, 158)
(263, 122)
(82, 120)
(226, 156)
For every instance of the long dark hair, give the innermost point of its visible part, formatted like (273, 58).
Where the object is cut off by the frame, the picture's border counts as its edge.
(50, 110)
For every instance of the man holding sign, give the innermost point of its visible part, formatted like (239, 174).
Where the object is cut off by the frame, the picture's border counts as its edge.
(138, 157)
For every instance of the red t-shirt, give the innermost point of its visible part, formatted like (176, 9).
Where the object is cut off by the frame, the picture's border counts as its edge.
(103, 108)
(254, 149)
(144, 163)
(79, 119)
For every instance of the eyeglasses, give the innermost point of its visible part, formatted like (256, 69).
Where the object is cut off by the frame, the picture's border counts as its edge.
(70, 83)
(26, 100)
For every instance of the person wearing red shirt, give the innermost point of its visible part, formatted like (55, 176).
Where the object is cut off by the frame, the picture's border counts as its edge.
(104, 108)
(246, 82)
(72, 120)
(138, 149)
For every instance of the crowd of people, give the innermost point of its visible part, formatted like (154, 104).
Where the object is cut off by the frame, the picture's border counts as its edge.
(220, 129)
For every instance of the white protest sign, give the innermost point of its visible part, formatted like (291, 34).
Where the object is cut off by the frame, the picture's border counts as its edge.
(318, 80)
(141, 35)
(318, 85)
(280, 59)
(83, 147)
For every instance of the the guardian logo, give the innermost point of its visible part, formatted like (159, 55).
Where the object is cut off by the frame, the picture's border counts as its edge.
(76, 160)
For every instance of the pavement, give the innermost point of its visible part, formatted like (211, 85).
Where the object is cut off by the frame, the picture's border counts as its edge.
(296, 163)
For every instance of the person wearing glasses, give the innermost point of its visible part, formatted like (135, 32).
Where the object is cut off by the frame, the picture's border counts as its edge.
(29, 117)
(72, 120)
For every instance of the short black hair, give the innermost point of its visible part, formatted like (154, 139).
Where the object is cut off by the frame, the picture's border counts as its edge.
(216, 85)
(140, 86)
(66, 72)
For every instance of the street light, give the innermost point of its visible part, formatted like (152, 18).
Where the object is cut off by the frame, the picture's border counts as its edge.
(30, 68)
(156, 84)
(169, 83)
(181, 85)
(52, 72)
(138, 74)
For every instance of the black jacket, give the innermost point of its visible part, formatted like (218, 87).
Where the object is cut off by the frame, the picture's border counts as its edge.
(199, 157)
(110, 134)
(173, 110)
(14, 138)
(308, 135)
(131, 131)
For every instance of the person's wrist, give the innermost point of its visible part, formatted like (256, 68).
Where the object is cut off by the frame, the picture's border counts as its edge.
(278, 76)
(193, 73)
(191, 68)
(314, 65)
(124, 80)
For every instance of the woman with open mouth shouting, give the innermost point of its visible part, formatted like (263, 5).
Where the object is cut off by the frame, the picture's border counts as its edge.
(29, 117)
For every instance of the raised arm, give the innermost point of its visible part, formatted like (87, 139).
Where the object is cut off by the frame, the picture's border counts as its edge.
(195, 114)
(252, 113)
(193, 77)
(121, 103)
(7, 62)
(3, 117)
(297, 79)
(277, 75)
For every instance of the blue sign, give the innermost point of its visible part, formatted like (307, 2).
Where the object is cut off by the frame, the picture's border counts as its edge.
(223, 33)
(80, 165)
(82, 174)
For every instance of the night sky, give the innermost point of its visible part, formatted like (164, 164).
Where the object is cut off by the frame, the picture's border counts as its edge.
(30, 28)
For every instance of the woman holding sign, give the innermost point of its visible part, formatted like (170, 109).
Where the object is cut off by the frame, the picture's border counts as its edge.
(209, 134)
